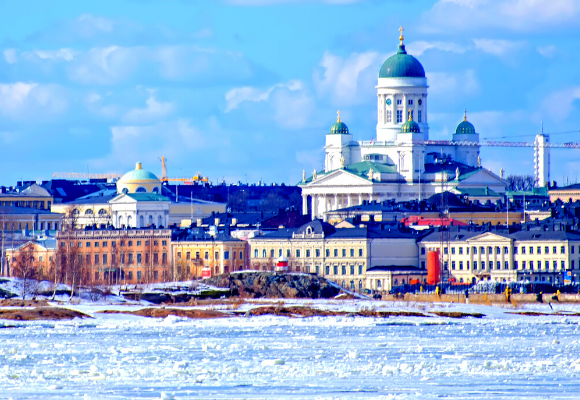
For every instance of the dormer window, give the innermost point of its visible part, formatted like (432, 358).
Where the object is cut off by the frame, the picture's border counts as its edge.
(309, 231)
(410, 102)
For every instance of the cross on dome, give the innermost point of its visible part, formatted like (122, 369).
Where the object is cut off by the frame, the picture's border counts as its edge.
(465, 114)
(338, 116)
(401, 38)
(410, 115)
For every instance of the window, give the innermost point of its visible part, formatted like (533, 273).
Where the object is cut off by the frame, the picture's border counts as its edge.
(423, 264)
(138, 274)
(287, 253)
(483, 265)
(327, 270)
(460, 264)
(389, 116)
(164, 242)
(227, 255)
(539, 250)
(482, 250)
(344, 252)
(206, 255)
(327, 252)
(360, 252)
(255, 253)
(571, 249)
(546, 250)
(515, 265)
(336, 252)
(523, 265)
(419, 116)
(399, 115)
(343, 269)
(515, 250)
(506, 265)
(307, 252)
(453, 250)
(399, 102)
(96, 244)
(468, 264)
(130, 243)
(122, 258)
(352, 252)
(216, 255)
(475, 265)
(138, 243)
(410, 102)
(146, 258)
(88, 244)
(122, 243)
(445, 250)
(155, 258)
(572, 264)
(130, 275)
(497, 250)
(360, 269)
(562, 264)
(562, 250)
(460, 249)
(272, 253)
(241, 255)
(554, 264)
(474, 250)
(531, 265)
(498, 265)
(155, 273)
(317, 252)
(452, 264)
(531, 250)
(130, 258)
(523, 250)
(489, 250)
(88, 259)
(554, 250)
(105, 261)
(197, 255)
(506, 250)
(104, 244)
(352, 269)
(422, 251)
(164, 258)
(96, 259)
(467, 250)
(297, 252)
(335, 270)
(317, 269)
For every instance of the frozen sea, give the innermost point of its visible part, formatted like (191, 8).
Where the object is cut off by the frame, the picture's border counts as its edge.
(501, 356)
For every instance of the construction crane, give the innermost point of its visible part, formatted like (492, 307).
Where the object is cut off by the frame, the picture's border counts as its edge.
(80, 175)
(164, 178)
(541, 145)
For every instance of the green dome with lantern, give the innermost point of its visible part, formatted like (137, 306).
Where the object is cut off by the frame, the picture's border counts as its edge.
(465, 127)
(410, 126)
(402, 65)
(339, 128)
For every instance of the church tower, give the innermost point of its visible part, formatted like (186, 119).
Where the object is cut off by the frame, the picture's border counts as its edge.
(338, 151)
(401, 91)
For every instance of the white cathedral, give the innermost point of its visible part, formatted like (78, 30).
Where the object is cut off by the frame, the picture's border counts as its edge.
(402, 163)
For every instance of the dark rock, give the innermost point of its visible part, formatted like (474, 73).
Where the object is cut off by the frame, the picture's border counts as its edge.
(275, 285)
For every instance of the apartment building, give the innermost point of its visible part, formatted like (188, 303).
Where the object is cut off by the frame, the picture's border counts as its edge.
(195, 251)
(118, 255)
(342, 255)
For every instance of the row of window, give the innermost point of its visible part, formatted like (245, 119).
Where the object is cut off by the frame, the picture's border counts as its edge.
(343, 269)
(400, 117)
(458, 265)
(28, 204)
(498, 250)
(206, 255)
(113, 243)
(124, 259)
(41, 226)
(308, 253)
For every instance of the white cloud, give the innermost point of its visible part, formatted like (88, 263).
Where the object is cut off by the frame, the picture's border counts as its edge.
(154, 110)
(31, 100)
(519, 15)
(419, 47)
(464, 82)
(89, 25)
(106, 65)
(10, 56)
(497, 47)
(546, 51)
(63, 54)
(340, 79)
(558, 105)
(236, 96)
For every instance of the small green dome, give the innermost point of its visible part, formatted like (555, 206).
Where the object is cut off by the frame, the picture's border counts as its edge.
(339, 128)
(465, 127)
(402, 65)
(137, 175)
(410, 127)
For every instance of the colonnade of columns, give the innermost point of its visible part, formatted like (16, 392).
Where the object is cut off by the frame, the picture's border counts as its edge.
(322, 203)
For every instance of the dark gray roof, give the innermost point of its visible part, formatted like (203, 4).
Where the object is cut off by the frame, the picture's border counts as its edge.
(397, 268)
(458, 236)
(24, 210)
(545, 235)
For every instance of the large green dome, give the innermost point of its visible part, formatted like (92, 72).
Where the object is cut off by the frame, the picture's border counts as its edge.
(402, 65)
(465, 127)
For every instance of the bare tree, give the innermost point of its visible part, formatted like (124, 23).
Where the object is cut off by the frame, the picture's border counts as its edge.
(66, 253)
(25, 267)
(520, 182)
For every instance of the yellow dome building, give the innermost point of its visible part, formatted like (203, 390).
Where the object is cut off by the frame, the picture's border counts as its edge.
(139, 181)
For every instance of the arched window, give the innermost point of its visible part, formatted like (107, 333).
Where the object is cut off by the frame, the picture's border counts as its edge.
(155, 190)
(150, 219)
(141, 189)
(129, 221)
(159, 221)
(141, 221)
(309, 231)
(76, 212)
(102, 212)
(360, 285)
(89, 212)
(396, 282)
(120, 224)
(125, 190)
(403, 282)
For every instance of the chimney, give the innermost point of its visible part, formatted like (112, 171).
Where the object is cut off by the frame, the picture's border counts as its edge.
(216, 221)
(199, 222)
(234, 221)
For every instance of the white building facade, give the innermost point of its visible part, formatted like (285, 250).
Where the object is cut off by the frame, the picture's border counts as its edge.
(402, 163)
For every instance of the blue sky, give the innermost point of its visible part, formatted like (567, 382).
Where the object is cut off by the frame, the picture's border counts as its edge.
(247, 89)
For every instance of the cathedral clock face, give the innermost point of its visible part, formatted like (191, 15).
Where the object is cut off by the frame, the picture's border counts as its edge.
(388, 102)
(420, 101)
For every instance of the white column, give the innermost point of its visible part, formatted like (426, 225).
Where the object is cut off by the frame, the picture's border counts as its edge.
(314, 206)
(304, 204)
(336, 202)
(405, 108)
(348, 201)
(359, 199)
(370, 197)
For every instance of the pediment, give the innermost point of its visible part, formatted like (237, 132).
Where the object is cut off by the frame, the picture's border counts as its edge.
(122, 199)
(482, 177)
(490, 237)
(340, 178)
